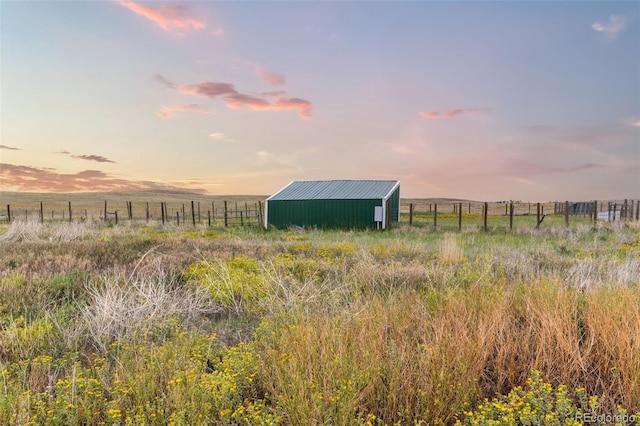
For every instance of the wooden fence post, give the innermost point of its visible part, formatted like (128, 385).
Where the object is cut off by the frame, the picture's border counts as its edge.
(537, 215)
(226, 221)
(41, 213)
(260, 214)
(486, 213)
(105, 210)
(193, 215)
(638, 210)
(626, 209)
(199, 212)
(459, 216)
(410, 214)
(566, 214)
(511, 217)
(70, 212)
(162, 211)
(116, 213)
(209, 218)
(178, 217)
(147, 212)
(241, 221)
(595, 211)
(469, 208)
(435, 216)
(8, 213)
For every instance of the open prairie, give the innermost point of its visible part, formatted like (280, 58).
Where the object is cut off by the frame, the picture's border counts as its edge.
(140, 323)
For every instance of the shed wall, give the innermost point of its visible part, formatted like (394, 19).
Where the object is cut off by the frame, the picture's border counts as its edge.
(323, 213)
(394, 206)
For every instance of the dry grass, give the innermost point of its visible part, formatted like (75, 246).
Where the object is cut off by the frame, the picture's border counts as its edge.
(120, 308)
(450, 250)
(408, 325)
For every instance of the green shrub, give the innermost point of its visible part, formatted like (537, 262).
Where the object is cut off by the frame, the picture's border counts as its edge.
(538, 403)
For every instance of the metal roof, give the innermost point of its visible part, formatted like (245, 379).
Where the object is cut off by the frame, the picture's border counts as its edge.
(336, 190)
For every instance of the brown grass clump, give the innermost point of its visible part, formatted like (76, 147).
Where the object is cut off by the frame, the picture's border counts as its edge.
(450, 250)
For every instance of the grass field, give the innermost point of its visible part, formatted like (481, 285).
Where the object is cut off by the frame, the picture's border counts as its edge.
(138, 323)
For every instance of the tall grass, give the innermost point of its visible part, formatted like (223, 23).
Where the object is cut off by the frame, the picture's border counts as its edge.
(312, 327)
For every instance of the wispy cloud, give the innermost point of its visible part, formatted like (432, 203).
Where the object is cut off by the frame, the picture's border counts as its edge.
(612, 27)
(264, 155)
(27, 178)
(169, 111)
(303, 106)
(234, 99)
(9, 148)
(167, 83)
(219, 32)
(631, 121)
(97, 158)
(525, 168)
(208, 89)
(270, 77)
(218, 136)
(89, 157)
(175, 19)
(453, 113)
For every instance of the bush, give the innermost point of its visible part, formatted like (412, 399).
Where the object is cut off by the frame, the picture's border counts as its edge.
(538, 403)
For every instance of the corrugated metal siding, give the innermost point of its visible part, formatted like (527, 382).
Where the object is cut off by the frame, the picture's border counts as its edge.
(394, 206)
(323, 213)
(335, 190)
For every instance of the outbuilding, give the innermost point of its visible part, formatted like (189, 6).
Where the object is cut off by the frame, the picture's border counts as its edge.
(335, 204)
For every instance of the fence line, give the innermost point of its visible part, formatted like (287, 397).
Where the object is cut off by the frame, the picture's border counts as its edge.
(609, 211)
(244, 214)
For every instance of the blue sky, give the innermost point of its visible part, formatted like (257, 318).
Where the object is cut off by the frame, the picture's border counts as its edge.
(480, 100)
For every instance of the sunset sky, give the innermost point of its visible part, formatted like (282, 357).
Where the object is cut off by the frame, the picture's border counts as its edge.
(481, 100)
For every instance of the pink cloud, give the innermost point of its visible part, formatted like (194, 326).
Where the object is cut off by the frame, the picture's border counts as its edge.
(303, 106)
(218, 32)
(276, 93)
(452, 113)
(238, 100)
(267, 101)
(27, 178)
(170, 18)
(208, 89)
(272, 78)
(169, 111)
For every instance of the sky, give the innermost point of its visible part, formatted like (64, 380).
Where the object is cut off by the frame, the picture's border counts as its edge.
(482, 100)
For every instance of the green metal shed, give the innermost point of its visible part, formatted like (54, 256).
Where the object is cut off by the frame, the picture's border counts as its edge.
(335, 204)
